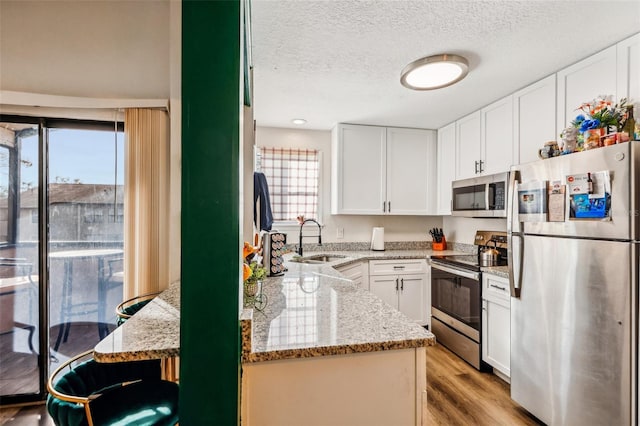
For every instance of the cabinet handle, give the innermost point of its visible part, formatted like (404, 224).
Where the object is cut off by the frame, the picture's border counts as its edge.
(402, 284)
(476, 167)
(384, 207)
(481, 168)
(498, 287)
(396, 284)
(389, 202)
(397, 267)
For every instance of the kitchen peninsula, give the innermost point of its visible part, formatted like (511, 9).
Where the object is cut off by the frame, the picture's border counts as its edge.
(324, 351)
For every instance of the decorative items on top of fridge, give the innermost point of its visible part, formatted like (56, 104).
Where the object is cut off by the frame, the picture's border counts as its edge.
(600, 122)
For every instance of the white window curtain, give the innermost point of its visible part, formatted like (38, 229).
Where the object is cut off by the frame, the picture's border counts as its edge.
(146, 216)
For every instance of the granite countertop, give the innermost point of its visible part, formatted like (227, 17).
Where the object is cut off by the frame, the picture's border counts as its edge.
(152, 333)
(314, 311)
(501, 271)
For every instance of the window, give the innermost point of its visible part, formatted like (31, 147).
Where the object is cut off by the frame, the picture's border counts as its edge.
(116, 216)
(93, 215)
(293, 177)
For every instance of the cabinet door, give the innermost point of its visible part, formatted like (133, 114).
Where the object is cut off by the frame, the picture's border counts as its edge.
(496, 340)
(497, 143)
(411, 171)
(385, 288)
(629, 72)
(446, 167)
(358, 170)
(534, 118)
(585, 81)
(468, 146)
(411, 301)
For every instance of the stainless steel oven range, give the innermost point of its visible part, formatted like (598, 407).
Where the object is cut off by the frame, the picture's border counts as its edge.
(456, 297)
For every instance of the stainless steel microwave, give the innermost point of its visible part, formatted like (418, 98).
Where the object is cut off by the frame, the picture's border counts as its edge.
(482, 196)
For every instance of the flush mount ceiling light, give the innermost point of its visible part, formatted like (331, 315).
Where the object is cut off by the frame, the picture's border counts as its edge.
(434, 72)
(299, 121)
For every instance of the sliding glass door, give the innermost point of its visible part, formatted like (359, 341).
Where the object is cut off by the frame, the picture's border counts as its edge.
(21, 359)
(85, 204)
(61, 250)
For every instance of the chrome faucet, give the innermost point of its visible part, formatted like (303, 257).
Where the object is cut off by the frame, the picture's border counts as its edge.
(299, 251)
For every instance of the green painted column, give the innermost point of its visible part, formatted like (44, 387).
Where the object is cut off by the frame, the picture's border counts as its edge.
(209, 331)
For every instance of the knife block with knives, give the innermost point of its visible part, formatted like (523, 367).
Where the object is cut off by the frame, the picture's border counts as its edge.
(439, 242)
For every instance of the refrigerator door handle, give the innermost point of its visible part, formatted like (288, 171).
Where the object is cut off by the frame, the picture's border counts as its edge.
(514, 281)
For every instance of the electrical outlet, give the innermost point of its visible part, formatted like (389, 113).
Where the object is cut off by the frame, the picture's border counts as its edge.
(340, 233)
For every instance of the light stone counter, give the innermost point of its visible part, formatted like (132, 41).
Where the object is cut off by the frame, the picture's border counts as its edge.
(313, 311)
(152, 333)
(501, 271)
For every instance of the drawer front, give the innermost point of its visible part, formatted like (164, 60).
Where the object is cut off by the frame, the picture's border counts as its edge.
(495, 288)
(395, 267)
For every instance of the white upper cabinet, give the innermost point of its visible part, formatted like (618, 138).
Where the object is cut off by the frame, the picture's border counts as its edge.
(534, 118)
(378, 170)
(358, 155)
(628, 56)
(468, 146)
(498, 147)
(583, 82)
(446, 167)
(411, 171)
(484, 140)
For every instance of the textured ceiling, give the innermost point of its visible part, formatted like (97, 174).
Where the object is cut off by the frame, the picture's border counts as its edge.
(340, 61)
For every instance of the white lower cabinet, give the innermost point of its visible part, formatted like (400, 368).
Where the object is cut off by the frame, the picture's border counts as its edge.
(496, 323)
(404, 284)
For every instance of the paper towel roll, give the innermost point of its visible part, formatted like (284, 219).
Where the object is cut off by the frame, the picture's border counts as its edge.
(377, 239)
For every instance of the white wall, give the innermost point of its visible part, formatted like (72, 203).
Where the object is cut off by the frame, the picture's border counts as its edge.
(98, 48)
(356, 228)
(463, 229)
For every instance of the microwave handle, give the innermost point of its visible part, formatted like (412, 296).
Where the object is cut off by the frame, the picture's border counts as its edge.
(487, 189)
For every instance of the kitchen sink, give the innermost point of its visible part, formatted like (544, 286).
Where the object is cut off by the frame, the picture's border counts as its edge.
(319, 258)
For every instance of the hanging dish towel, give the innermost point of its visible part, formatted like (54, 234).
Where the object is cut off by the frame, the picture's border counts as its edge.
(261, 193)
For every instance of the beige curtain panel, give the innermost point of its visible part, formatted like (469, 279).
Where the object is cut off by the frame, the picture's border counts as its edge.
(146, 211)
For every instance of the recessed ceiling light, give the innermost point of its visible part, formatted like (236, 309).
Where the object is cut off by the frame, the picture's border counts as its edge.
(299, 121)
(434, 72)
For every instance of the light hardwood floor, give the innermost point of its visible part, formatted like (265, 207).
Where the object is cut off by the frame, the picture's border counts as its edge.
(457, 394)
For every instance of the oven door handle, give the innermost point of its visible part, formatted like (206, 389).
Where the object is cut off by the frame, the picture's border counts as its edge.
(465, 274)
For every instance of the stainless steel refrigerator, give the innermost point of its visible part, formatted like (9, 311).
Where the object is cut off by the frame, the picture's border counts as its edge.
(573, 257)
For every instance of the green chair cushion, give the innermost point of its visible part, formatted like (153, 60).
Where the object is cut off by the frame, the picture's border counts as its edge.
(92, 377)
(144, 403)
